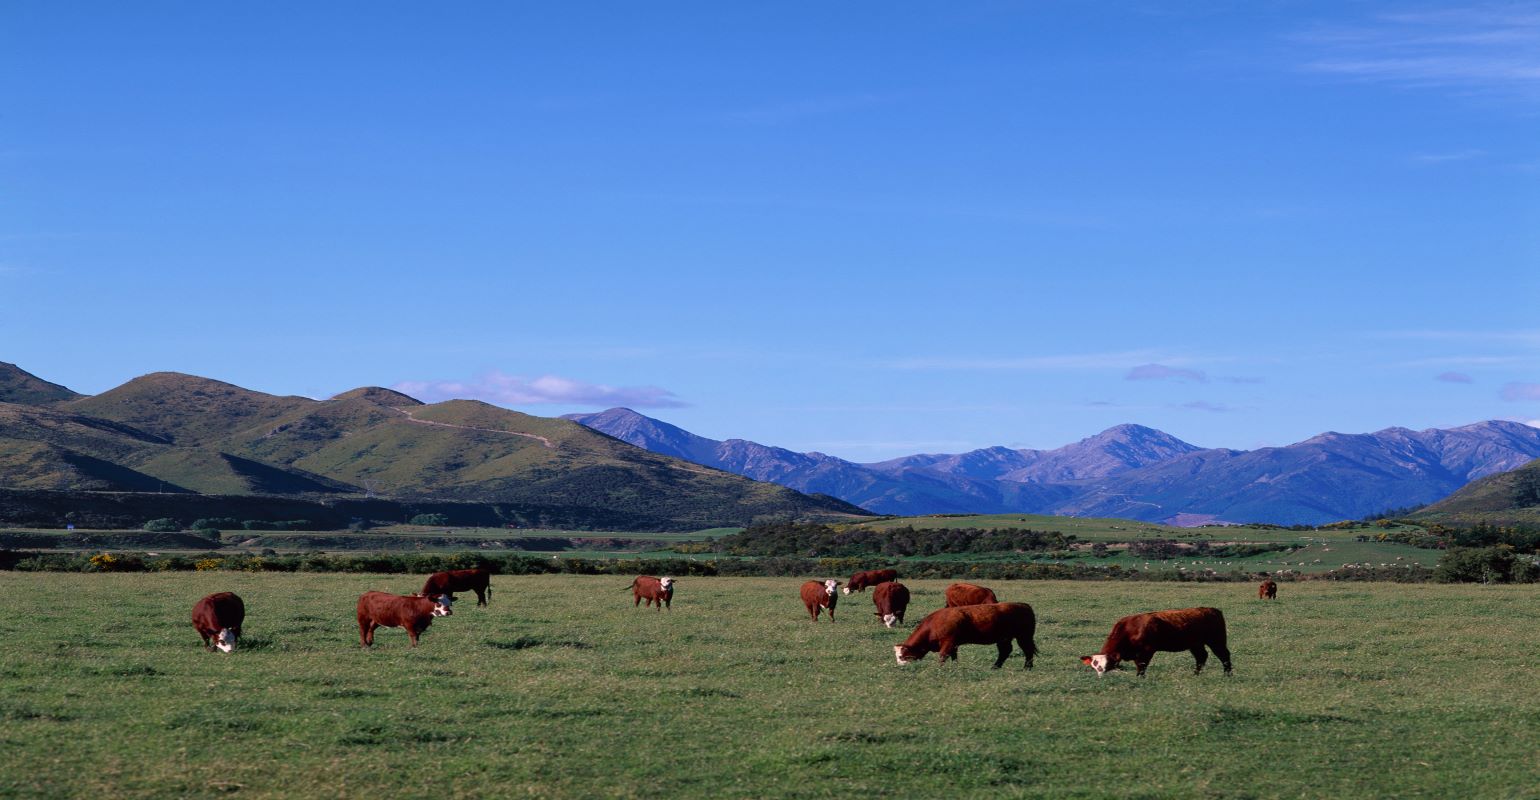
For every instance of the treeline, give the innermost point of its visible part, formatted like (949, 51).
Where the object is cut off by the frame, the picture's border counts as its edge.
(823, 541)
(1475, 566)
(1519, 538)
(512, 564)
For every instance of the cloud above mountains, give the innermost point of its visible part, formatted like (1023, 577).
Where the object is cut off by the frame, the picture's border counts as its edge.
(515, 390)
(1161, 372)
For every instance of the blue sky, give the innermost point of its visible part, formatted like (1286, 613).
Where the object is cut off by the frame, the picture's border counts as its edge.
(866, 229)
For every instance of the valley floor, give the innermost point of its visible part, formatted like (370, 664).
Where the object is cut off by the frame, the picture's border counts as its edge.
(560, 688)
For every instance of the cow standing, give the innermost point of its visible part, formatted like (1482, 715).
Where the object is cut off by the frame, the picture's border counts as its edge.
(1268, 590)
(966, 594)
(653, 590)
(412, 612)
(872, 577)
(820, 595)
(1139, 637)
(892, 600)
(217, 618)
(460, 580)
(997, 624)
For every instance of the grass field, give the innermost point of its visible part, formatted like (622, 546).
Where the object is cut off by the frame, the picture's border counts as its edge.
(561, 689)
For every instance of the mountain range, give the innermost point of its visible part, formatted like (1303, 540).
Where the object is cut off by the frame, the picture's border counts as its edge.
(1128, 471)
(171, 434)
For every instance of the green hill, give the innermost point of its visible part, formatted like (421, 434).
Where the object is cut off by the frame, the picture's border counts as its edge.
(22, 387)
(172, 432)
(1505, 498)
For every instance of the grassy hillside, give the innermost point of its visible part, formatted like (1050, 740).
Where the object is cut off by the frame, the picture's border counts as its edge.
(174, 432)
(22, 387)
(559, 688)
(1503, 499)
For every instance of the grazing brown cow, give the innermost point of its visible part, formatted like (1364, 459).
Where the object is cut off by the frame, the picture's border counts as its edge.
(1138, 637)
(217, 618)
(892, 600)
(412, 612)
(460, 580)
(819, 595)
(1268, 590)
(996, 624)
(966, 594)
(872, 577)
(653, 590)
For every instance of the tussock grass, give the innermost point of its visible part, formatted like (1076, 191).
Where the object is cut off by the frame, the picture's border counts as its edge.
(561, 689)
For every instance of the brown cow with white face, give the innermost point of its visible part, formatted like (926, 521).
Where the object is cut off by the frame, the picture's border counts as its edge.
(460, 580)
(653, 590)
(966, 594)
(892, 600)
(218, 618)
(1139, 637)
(997, 624)
(820, 595)
(871, 577)
(412, 612)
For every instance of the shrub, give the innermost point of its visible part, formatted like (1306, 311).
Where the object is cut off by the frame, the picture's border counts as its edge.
(435, 520)
(163, 525)
(216, 524)
(1486, 565)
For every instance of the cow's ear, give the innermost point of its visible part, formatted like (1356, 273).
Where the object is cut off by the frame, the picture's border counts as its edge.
(1085, 660)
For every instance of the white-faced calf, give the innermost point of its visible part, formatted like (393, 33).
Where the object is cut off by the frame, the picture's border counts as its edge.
(819, 596)
(1139, 637)
(218, 618)
(998, 624)
(412, 612)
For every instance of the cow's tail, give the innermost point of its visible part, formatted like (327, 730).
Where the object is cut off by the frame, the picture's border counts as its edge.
(633, 584)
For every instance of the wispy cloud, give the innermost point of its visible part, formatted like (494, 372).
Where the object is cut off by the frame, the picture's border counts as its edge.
(513, 390)
(1444, 158)
(1164, 372)
(1071, 361)
(802, 108)
(1453, 377)
(1520, 392)
(1492, 49)
(1212, 408)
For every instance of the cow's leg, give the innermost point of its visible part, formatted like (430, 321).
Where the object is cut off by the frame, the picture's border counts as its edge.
(1028, 647)
(670, 603)
(366, 633)
(1005, 652)
(1201, 656)
(638, 600)
(481, 597)
(1223, 652)
(946, 651)
(831, 613)
(1142, 661)
(206, 645)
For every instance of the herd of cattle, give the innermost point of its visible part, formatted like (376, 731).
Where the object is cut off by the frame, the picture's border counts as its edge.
(972, 615)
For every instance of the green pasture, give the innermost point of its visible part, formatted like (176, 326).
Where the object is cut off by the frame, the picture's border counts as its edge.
(560, 688)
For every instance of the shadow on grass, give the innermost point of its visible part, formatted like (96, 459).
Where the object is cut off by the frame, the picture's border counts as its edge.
(526, 642)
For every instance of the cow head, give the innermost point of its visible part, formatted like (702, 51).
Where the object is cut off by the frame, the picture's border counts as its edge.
(225, 641)
(1101, 662)
(443, 605)
(887, 619)
(847, 590)
(906, 655)
(668, 584)
(830, 585)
